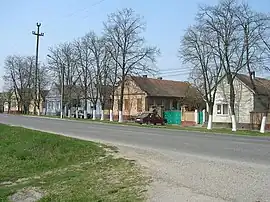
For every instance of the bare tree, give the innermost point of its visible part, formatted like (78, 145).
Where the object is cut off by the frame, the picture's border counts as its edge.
(105, 78)
(113, 70)
(254, 25)
(19, 73)
(197, 52)
(123, 29)
(85, 60)
(97, 49)
(222, 21)
(63, 64)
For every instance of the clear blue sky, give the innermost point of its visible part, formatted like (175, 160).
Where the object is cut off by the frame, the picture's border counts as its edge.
(64, 20)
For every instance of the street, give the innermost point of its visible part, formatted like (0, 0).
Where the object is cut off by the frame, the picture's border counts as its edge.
(186, 166)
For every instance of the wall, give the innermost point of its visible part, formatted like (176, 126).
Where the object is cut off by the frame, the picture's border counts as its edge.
(131, 93)
(244, 102)
(261, 103)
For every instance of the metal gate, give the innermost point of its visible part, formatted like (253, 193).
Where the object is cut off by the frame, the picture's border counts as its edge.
(173, 117)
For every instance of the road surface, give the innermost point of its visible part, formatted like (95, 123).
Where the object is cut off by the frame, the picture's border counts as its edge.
(186, 166)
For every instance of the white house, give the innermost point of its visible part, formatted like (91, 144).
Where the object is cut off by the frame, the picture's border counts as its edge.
(246, 100)
(73, 97)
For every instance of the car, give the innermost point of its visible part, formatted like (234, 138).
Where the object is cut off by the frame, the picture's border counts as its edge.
(81, 115)
(150, 118)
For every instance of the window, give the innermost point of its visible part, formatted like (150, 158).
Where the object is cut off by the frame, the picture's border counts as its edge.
(218, 109)
(225, 109)
(167, 104)
(126, 103)
(139, 105)
(158, 101)
(222, 109)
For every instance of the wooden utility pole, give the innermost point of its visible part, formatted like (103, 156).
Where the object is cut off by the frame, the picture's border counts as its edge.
(36, 99)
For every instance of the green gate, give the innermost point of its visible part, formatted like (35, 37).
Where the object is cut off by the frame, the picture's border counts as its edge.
(173, 117)
(200, 117)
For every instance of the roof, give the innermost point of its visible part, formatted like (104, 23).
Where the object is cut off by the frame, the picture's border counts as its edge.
(162, 88)
(262, 85)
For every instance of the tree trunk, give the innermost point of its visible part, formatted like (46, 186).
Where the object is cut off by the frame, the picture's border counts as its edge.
(210, 116)
(102, 112)
(112, 105)
(77, 114)
(232, 102)
(263, 123)
(121, 102)
(94, 111)
(85, 108)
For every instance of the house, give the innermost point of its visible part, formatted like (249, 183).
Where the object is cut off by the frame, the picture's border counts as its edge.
(249, 105)
(21, 101)
(73, 98)
(143, 94)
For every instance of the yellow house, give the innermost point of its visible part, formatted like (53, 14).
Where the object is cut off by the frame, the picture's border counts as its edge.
(28, 103)
(143, 93)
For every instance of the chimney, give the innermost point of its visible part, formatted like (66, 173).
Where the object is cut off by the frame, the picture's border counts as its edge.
(144, 76)
(159, 78)
(252, 74)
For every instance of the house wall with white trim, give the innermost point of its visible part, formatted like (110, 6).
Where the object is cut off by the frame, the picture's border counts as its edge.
(244, 102)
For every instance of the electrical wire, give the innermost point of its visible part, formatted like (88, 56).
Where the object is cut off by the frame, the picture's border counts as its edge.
(85, 9)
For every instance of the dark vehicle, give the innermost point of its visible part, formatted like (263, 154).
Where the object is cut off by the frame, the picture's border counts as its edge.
(150, 118)
(81, 115)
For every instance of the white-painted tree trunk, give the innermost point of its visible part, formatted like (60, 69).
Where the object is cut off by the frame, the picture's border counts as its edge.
(38, 112)
(233, 123)
(69, 113)
(94, 114)
(210, 121)
(102, 115)
(262, 130)
(77, 114)
(84, 114)
(111, 115)
(120, 116)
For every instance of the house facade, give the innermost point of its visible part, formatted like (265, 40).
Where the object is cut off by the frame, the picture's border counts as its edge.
(143, 94)
(247, 102)
(13, 103)
(73, 99)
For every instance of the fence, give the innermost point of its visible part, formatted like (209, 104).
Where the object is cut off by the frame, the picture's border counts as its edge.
(173, 117)
(256, 119)
(188, 116)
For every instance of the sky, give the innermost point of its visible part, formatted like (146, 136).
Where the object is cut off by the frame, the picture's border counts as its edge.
(65, 20)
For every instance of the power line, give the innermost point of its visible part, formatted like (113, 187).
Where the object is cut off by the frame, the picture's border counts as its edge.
(175, 69)
(175, 72)
(85, 9)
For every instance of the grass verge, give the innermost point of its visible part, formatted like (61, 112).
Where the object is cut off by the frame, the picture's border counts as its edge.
(65, 169)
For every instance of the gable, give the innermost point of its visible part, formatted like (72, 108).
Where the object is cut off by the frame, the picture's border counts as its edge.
(131, 88)
(53, 92)
(242, 92)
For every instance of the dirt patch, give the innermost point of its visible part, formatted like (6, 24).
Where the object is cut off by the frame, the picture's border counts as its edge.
(30, 194)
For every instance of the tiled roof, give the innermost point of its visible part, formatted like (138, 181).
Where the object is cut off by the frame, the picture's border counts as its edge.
(262, 85)
(162, 88)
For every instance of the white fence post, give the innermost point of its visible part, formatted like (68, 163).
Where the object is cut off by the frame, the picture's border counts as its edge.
(196, 116)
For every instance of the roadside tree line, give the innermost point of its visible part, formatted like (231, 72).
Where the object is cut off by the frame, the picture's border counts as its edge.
(227, 38)
(91, 62)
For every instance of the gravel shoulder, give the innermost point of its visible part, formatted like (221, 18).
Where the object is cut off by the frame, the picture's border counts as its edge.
(184, 177)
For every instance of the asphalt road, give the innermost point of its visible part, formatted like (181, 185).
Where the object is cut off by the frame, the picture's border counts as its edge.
(249, 149)
(220, 167)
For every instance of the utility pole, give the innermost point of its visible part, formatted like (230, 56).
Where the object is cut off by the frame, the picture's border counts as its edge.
(38, 34)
